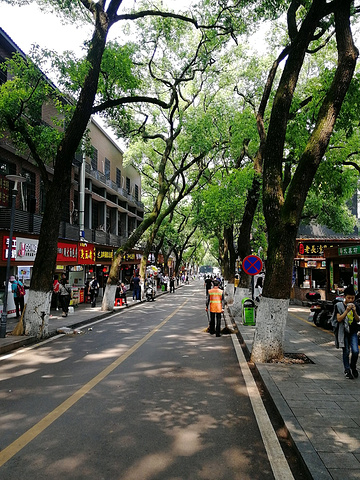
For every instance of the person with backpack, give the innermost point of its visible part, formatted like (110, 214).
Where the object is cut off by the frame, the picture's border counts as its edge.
(346, 330)
(18, 291)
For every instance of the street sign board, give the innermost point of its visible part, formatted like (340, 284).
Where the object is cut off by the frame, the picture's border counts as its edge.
(252, 265)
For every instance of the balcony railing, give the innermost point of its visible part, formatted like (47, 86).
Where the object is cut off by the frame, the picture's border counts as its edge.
(28, 223)
(110, 183)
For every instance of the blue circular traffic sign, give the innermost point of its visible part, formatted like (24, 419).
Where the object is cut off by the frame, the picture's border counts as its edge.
(252, 265)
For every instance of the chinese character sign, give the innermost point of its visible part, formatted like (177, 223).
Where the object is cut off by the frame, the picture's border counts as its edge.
(104, 255)
(353, 250)
(6, 248)
(86, 254)
(311, 249)
(67, 252)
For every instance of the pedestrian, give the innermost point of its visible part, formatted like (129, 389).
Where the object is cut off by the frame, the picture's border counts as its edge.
(121, 292)
(172, 284)
(18, 291)
(208, 283)
(166, 282)
(65, 295)
(215, 300)
(94, 291)
(136, 287)
(236, 282)
(258, 289)
(56, 288)
(346, 332)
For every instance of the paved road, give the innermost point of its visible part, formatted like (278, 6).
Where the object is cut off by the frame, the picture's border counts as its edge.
(143, 395)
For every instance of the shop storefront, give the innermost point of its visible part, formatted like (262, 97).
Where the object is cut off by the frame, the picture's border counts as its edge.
(342, 264)
(130, 263)
(23, 253)
(79, 261)
(325, 267)
(309, 268)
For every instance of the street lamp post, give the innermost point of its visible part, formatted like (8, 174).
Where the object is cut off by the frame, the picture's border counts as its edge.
(17, 179)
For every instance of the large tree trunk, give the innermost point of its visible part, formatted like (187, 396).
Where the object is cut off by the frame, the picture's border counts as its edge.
(283, 214)
(38, 306)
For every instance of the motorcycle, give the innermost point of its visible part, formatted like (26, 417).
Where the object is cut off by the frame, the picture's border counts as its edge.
(322, 310)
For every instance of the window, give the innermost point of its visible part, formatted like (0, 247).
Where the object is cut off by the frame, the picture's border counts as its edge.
(128, 184)
(107, 169)
(3, 71)
(118, 177)
(5, 169)
(4, 191)
(136, 192)
(94, 159)
(29, 191)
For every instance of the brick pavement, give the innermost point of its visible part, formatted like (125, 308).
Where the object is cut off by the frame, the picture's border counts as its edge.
(319, 406)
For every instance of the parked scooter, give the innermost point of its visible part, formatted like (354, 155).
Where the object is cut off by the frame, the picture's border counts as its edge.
(150, 292)
(322, 310)
(316, 306)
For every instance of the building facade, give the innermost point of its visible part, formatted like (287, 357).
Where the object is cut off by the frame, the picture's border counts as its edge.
(103, 208)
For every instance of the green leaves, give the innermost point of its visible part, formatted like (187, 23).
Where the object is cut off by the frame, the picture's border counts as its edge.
(23, 99)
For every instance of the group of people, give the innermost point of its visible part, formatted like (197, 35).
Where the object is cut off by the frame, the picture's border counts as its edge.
(62, 293)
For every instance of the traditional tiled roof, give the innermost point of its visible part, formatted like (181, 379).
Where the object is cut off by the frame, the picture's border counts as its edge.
(320, 232)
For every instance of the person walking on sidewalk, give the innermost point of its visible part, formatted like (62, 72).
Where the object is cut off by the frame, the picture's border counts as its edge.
(215, 299)
(19, 295)
(136, 287)
(172, 284)
(346, 332)
(94, 291)
(208, 283)
(64, 292)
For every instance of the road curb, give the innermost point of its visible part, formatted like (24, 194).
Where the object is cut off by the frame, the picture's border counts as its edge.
(23, 341)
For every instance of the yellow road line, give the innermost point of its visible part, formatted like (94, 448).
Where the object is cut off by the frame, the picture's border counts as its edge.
(310, 323)
(33, 432)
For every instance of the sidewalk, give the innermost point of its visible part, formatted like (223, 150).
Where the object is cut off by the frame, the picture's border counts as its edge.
(320, 408)
(83, 314)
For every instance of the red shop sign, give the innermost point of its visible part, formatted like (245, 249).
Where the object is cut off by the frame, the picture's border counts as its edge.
(86, 254)
(5, 248)
(66, 252)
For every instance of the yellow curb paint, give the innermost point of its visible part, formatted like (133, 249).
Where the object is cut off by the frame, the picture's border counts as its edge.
(310, 323)
(33, 432)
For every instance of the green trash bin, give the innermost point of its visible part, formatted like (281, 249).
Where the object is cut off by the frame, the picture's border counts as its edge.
(248, 311)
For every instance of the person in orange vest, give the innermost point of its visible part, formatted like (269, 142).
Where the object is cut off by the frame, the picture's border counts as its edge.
(215, 299)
